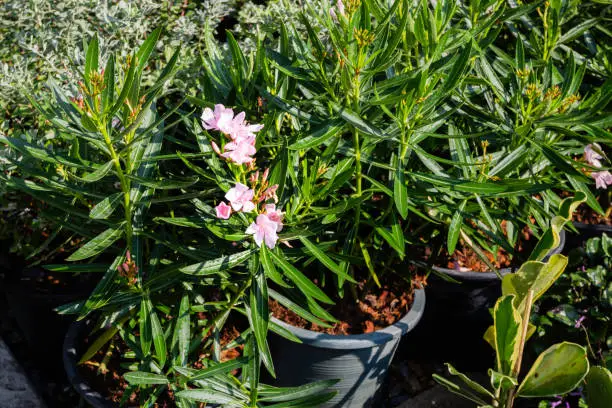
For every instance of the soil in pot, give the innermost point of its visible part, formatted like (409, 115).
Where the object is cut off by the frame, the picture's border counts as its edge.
(104, 371)
(465, 259)
(373, 309)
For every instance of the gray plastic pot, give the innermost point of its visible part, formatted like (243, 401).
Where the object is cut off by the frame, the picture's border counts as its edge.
(359, 361)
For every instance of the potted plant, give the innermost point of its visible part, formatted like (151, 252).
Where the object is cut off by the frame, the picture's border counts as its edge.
(147, 333)
(514, 155)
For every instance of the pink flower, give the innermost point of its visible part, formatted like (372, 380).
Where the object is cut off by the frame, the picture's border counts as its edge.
(591, 156)
(240, 197)
(221, 119)
(263, 230)
(603, 179)
(223, 211)
(240, 151)
(340, 6)
(242, 130)
(275, 216)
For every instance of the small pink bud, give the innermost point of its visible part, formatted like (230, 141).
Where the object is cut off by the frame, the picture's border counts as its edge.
(215, 148)
(265, 174)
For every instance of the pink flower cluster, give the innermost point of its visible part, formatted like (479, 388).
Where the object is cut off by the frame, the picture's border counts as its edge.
(269, 220)
(603, 179)
(241, 147)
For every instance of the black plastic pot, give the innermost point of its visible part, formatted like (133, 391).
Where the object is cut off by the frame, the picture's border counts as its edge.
(34, 313)
(74, 347)
(360, 362)
(586, 232)
(457, 316)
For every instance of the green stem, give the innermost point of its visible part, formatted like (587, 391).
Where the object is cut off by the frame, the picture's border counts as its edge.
(509, 402)
(125, 185)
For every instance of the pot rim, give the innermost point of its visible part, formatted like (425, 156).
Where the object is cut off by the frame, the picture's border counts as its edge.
(592, 227)
(69, 356)
(365, 340)
(492, 276)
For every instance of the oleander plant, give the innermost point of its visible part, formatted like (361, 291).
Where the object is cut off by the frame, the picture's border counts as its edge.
(308, 168)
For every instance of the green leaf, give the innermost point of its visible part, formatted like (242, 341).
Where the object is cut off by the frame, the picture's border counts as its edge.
(368, 261)
(297, 309)
(501, 381)
(147, 47)
(146, 331)
(301, 281)
(106, 207)
(507, 323)
(210, 396)
(269, 268)
(455, 389)
(325, 260)
(127, 85)
(318, 136)
(143, 378)
(99, 343)
(473, 385)
(400, 193)
(98, 244)
(259, 317)
(558, 370)
(99, 173)
(552, 236)
(456, 72)
(182, 330)
(159, 339)
(217, 265)
(109, 83)
(91, 58)
(455, 228)
(80, 268)
(598, 387)
(213, 369)
(561, 162)
(533, 275)
(354, 119)
(273, 394)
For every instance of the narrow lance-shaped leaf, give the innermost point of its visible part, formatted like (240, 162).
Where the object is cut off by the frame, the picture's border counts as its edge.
(217, 265)
(325, 260)
(301, 281)
(182, 330)
(159, 340)
(400, 193)
(143, 378)
(106, 207)
(91, 58)
(98, 244)
(259, 317)
(146, 332)
(455, 228)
